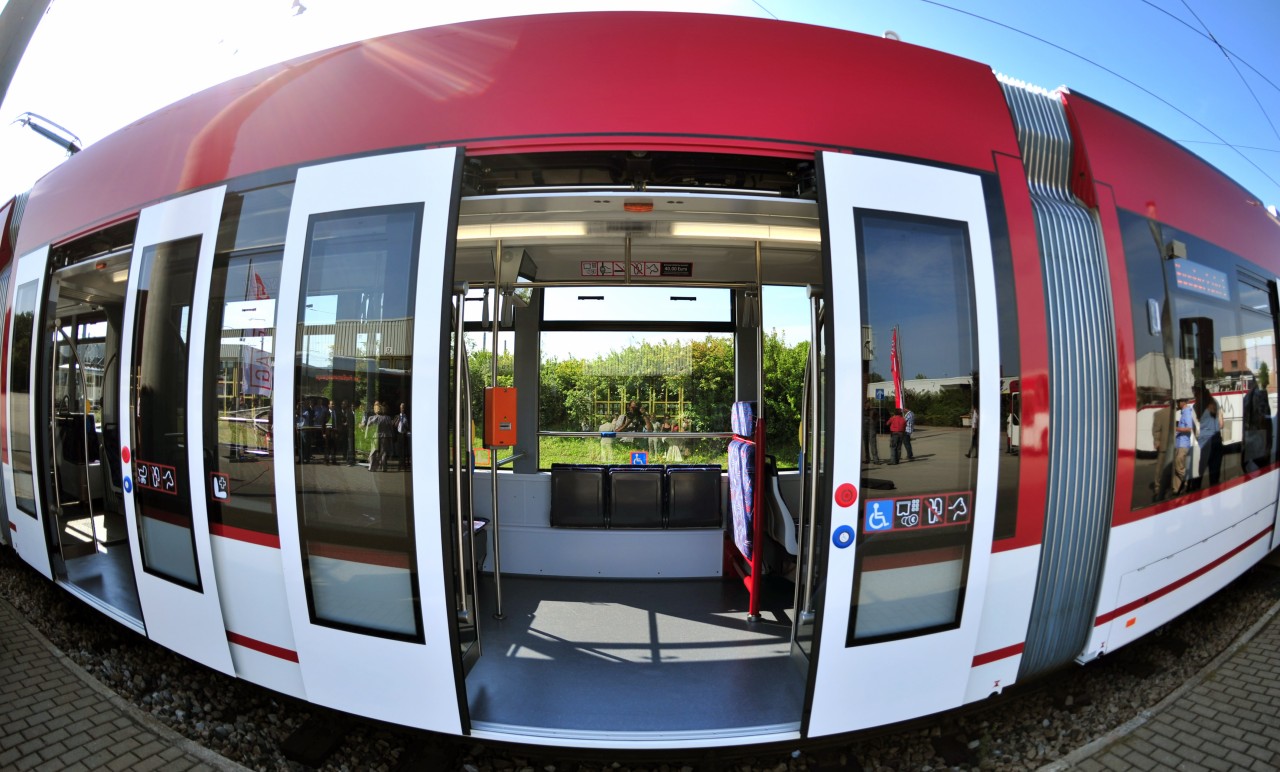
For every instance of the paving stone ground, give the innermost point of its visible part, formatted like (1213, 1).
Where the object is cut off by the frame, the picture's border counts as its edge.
(1228, 720)
(55, 716)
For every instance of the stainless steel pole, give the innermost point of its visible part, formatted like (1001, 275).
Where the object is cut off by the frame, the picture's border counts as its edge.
(494, 320)
(813, 455)
(461, 435)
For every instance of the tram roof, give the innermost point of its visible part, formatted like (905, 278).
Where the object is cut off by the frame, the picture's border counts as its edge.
(581, 81)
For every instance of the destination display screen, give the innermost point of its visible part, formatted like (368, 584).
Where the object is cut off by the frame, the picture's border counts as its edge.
(1201, 279)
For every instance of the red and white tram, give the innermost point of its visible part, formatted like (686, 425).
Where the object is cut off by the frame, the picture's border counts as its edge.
(219, 320)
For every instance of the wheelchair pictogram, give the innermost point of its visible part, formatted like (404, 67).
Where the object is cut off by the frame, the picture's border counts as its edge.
(879, 515)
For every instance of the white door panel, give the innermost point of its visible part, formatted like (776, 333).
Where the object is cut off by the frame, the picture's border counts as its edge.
(399, 676)
(187, 619)
(872, 684)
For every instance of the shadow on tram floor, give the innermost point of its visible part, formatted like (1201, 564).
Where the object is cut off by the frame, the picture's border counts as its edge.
(634, 656)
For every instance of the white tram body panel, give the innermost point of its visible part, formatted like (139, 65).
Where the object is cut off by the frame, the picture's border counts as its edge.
(246, 339)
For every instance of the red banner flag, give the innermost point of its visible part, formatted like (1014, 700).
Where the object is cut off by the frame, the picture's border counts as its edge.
(895, 363)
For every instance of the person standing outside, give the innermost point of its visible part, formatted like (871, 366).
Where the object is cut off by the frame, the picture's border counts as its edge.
(1182, 433)
(897, 430)
(910, 418)
(347, 416)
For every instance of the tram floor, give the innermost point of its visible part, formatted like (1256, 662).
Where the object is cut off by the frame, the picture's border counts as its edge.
(634, 656)
(108, 576)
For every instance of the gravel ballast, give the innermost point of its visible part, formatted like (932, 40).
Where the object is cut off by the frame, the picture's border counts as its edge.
(1023, 729)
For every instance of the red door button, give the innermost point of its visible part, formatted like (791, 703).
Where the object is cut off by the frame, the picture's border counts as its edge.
(846, 495)
(124, 454)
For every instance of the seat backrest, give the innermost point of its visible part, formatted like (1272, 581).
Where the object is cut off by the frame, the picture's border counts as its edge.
(578, 496)
(780, 524)
(741, 494)
(635, 496)
(693, 497)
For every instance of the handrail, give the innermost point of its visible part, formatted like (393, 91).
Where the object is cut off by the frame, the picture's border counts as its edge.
(655, 435)
(496, 319)
(462, 402)
(509, 459)
(812, 455)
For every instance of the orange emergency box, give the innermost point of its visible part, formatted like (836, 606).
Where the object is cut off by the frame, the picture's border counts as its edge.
(499, 417)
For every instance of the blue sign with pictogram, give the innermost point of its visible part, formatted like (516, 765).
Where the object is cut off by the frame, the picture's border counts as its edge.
(879, 393)
(879, 515)
(639, 458)
(909, 513)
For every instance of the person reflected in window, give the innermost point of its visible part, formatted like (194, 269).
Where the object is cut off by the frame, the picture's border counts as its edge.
(1160, 424)
(402, 438)
(870, 443)
(910, 418)
(347, 432)
(973, 440)
(1210, 441)
(897, 430)
(384, 429)
(1257, 429)
(1184, 430)
(635, 419)
(322, 421)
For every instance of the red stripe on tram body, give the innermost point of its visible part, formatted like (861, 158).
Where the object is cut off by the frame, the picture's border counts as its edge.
(262, 646)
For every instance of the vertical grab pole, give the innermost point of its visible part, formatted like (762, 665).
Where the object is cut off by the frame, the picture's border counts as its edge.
(493, 456)
(812, 455)
(757, 504)
(460, 434)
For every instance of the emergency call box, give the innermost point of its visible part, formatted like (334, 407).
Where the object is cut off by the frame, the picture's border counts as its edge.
(499, 417)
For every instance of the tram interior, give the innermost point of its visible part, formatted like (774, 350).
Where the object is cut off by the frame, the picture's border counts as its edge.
(83, 485)
(620, 610)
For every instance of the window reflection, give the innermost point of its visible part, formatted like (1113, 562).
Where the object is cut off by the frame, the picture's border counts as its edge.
(166, 283)
(920, 422)
(1205, 354)
(351, 413)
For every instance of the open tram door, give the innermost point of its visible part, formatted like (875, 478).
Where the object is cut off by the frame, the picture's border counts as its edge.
(368, 566)
(78, 400)
(908, 261)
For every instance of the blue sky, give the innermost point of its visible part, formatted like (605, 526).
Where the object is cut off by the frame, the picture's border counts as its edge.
(95, 66)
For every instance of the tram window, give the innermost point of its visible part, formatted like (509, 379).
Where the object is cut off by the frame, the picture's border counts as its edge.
(917, 518)
(239, 359)
(678, 383)
(24, 310)
(354, 490)
(1215, 344)
(166, 282)
(786, 354)
(668, 350)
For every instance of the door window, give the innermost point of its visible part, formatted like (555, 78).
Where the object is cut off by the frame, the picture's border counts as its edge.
(166, 283)
(353, 377)
(920, 463)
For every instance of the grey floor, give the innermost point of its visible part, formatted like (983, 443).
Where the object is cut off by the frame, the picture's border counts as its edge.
(108, 576)
(633, 656)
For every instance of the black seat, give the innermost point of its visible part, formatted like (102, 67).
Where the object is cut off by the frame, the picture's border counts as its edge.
(577, 496)
(635, 496)
(693, 497)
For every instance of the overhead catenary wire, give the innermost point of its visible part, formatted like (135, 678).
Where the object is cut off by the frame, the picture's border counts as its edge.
(1202, 34)
(1110, 71)
(1232, 62)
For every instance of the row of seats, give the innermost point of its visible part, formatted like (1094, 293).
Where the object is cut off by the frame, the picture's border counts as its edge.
(654, 496)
